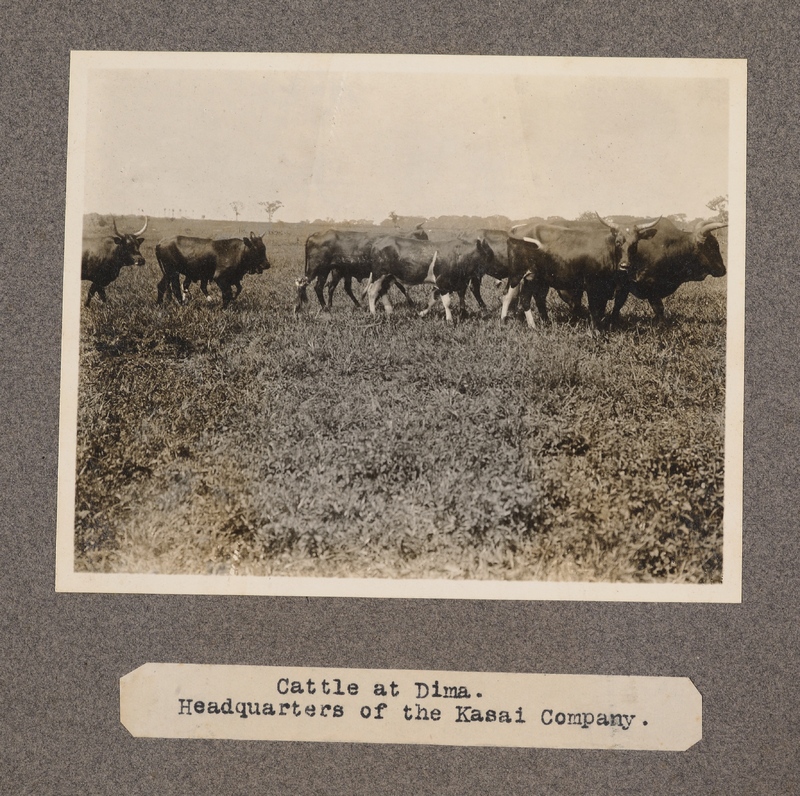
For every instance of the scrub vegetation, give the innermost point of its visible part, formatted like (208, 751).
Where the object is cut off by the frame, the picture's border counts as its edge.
(254, 441)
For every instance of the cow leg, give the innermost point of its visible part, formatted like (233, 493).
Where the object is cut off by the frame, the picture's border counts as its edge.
(101, 291)
(525, 293)
(540, 297)
(597, 309)
(182, 296)
(171, 282)
(204, 289)
(348, 288)
(431, 301)
(301, 297)
(475, 285)
(462, 302)
(334, 281)
(226, 290)
(384, 295)
(92, 291)
(319, 285)
(574, 300)
(446, 305)
(512, 294)
(238, 286)
(620, 297)
(409, 300)
(373, 291)
(658, 309)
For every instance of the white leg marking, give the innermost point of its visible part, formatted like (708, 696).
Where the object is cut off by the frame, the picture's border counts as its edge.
(431, 302)
(529, 318)
(510, 295)
(372, 290)
(446, 304)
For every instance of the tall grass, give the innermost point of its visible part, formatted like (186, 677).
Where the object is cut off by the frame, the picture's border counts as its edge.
(252, 441)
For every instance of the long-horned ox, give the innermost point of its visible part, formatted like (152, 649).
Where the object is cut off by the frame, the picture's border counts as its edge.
(340, 254)
(103, 259)
(447, 265)
(497, 269)
(203, 260)
(571, 259)
(660, 257)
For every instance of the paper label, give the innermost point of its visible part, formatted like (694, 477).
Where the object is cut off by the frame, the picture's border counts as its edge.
(274, 703)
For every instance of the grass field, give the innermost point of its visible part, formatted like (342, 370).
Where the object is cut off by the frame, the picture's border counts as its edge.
(252, 441)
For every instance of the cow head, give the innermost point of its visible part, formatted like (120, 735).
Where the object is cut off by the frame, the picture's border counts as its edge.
(256, 254)
(626, 241)
(128, 244)
(709, 257)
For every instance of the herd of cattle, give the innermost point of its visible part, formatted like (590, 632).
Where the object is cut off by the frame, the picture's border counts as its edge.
(650, 261)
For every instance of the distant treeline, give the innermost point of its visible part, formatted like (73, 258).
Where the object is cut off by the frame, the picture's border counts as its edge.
(98, 222)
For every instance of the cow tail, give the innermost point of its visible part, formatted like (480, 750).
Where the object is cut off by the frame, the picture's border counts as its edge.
(171, 276)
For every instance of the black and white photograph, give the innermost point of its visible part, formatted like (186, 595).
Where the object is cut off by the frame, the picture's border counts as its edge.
(404, 326)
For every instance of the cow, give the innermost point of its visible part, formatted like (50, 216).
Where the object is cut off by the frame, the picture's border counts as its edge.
(623, 239)
(340, 254)
(572, 259)
(102, 260)
(224, 262)
(661, 257)
(498, 240)
(447, 265)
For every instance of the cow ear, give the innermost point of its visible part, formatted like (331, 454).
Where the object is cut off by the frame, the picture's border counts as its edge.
(139, 241)
(647, 233)
(117, 239)
(248, 242)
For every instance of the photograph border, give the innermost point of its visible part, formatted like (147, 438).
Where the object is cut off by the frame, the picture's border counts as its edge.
(729, 591)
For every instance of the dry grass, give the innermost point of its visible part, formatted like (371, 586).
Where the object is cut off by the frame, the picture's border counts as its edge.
(252, 441)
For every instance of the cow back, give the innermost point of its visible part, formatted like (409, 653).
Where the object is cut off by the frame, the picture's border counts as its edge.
(564, 257)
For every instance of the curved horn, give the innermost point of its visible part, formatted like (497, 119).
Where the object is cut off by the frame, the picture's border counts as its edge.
(605, 223)
(704, 227)
(114, 224)
(136, 234)
(535, 241)
(643, 227)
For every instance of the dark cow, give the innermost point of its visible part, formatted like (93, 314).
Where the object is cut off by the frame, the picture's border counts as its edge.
(203, 260)
(102, 260)
(661, 257)
(340, 254)
(447, 265)
(572, 259)
(498, 240)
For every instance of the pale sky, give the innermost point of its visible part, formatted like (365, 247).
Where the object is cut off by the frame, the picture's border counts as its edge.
(343, 145)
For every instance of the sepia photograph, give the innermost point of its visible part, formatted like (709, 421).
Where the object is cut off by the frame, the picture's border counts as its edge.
(405, 326)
